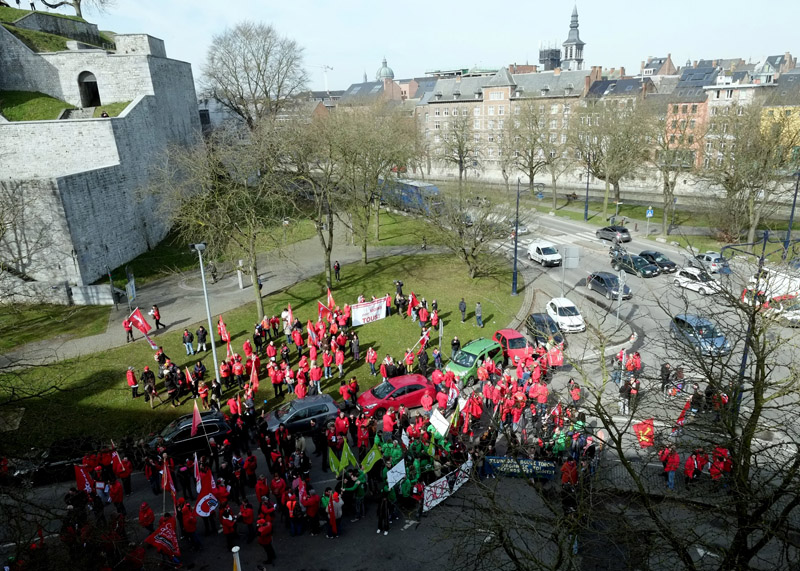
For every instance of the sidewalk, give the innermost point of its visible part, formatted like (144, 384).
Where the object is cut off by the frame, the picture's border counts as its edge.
(180, 297)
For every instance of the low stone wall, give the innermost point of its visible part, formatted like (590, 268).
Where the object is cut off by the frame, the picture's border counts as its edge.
(73, 29)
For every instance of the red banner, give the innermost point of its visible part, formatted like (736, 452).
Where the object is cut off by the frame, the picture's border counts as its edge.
(331, 303)
(165, 540)
(645, 431)
(196, 420)
(323, 312)
(82, 479)
(412, 303)
(139, 322)
(682, 418)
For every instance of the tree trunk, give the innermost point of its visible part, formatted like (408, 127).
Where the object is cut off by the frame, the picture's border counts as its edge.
(667, 202)
(327, 244)
(754, 218)
(616, 191)
(555, 190)
(605, 201)
(377, 219)
(364, 250)
(253, 267)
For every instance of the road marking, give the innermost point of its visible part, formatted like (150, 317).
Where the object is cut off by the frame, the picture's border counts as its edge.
(409, 523)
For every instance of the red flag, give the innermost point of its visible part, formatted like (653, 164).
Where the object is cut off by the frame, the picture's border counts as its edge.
(331, 303)
(165, 540)
(166, 480)
(412, 303)
(238, 404)
(644, 432)
(196, 419)
(290, 317)
(222, 329)
(682, 418)
(312, 334)
(116, 461)
(139, 322)
(323, 312)
(228, 350)
(82, 479)
(253, 377)
(206, 501)
(152, 343)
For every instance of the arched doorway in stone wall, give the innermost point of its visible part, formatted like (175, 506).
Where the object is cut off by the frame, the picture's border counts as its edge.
(90, 95)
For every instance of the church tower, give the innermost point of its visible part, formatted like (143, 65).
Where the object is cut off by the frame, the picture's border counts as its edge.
(573, 47)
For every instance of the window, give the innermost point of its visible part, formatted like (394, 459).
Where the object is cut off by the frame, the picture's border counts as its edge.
(692, 123)
(674, 108)
(719, 161)
(476, 124)
(724, 127)
(490, 152)
(516, 110)
(490, 138)
(554, 108)
(691, 139)
(729, 94)
(684, 108)
(563, 138)
(706, 163)
(490, 124)
(566, 108)
(455, 112)
(436, 138)
(674, 123)
(541, 109)
(694, 108)
(437, 125)
(500, 124)
(672, 138)
(491, 110)
(553, 137)
(427, 118)
(714, 111)
(788, 112)
(495, 95)
(476, 138)
(554, 123)
(501, 110)
(740, 111)
(476, 111)
(464, 112)
(683, 124)
(718, 94)
(437, 112)
(446, 112)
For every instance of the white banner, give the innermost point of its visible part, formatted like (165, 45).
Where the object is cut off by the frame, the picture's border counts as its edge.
(440, 423)
(367, 312)
(444, 487)
(396, 473)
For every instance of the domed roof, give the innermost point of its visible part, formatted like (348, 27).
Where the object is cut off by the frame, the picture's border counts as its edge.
(385, 72)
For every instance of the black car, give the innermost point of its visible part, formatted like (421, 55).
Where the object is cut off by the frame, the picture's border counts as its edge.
(607, 284)
(541, 327)
(657, 258)
(52, 464)
(636, 265)
(298, 414)
(614, 233)
(179, 442)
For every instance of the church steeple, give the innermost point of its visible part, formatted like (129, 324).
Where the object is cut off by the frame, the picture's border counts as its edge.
(573, 48)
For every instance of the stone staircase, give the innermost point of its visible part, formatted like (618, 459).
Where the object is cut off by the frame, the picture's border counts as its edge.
(85, 113)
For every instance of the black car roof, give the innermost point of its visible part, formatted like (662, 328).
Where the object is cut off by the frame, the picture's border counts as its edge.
(603, 274)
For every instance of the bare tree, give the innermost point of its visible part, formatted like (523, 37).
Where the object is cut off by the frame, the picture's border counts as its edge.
(78, 5)
(525, 137)
(230, 193)
(459, 146)
(751, 158)
(253, 71)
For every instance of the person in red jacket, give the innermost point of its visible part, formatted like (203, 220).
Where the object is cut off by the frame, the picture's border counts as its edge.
(228, 521)
(671, 464)
(297, 339)
(123, 471)
(277, 485)
(156, 313)
(574, 392)
(265, 539)
(311, 502)
(339, 358)
(327, 361)
(389, 424)
(427, 404)
(569, 473)
(190, 525)
(146, 517)
(128, 326)
(372, 358)
(691, 469)
(342, 423)
(116, 493)
(246, 517)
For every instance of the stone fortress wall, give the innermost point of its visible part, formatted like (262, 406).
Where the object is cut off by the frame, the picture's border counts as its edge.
(80, 181)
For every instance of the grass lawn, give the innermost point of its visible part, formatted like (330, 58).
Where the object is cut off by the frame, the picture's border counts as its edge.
(30, 106)
(100, 401)
(113, 109)
(25, 324)
(401, 230)
(39, 41)
(13, 14)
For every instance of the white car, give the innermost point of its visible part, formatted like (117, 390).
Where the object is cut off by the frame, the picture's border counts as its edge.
(566, 315)
(544, 253)
(697, 280)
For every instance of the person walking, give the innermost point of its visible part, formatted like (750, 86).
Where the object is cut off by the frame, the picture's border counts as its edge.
(671, 462)
(625, 397)
(188, 339)
(479, 315)
(156, 313)
(666, 373)
(462, 307)
(336, 269)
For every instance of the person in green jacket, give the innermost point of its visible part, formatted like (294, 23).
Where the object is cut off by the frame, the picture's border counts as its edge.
(358, 487)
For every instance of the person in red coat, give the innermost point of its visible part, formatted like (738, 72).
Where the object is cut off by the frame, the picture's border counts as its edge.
(311, 502)
(671, 464)
(123, 471)
(146, 517)
(339, 358)
(262, 486)
(128, 326)
(117, 493)
(342, 423)
(264, 527)
(569, 473)
(156, 313)
(278, 486)
(327, 361)
(297, 339)
(228, 521)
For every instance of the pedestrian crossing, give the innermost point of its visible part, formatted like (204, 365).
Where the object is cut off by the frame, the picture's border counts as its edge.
(586, 239)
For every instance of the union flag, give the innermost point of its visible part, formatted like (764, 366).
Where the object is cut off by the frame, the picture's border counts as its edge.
(645, 432)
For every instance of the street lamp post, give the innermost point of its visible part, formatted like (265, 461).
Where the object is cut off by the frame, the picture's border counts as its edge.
(791, 218)
(516, 245)
(199, 248)
(586, 202)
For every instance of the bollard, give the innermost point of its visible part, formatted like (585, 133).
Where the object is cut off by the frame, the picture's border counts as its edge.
(239, 274)
(636, 227)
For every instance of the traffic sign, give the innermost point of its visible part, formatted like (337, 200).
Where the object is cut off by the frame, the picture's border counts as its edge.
(649, 212)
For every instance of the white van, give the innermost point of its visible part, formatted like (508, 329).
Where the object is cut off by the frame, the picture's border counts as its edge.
(544, 252)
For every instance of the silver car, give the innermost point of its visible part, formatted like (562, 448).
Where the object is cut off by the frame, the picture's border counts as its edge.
(712, 262)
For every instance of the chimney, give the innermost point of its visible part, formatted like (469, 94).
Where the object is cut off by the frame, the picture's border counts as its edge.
(694, 65)
(641, 68)
(557, 72)
(587, 82)
(649, 59)
(622, 71)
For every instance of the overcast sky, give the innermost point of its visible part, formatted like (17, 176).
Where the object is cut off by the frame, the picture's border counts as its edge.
(352, 36)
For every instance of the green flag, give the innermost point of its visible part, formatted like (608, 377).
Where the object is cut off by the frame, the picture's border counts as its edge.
(371, 458)
(348, 458)
(454, 418)
(431, 450)
(334, 462)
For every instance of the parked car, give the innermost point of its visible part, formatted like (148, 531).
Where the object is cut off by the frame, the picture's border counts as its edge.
(179, 442)
(607, 284)
(544, 253)
(406, 390)
(618, 233)
(786, 312)
(541, 328)
(666, 265)
(696, 280)
(711, 261)
(298, 414)
(566, 315)
(699, 333)
(636, 265)
(513, 343)
(52, 464)
(464, 363)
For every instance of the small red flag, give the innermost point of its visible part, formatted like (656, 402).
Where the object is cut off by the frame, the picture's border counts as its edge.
(222, 329)
(412, 303)
(196, 420)
(323, 312)
(82, 479)
(228, 350)
(116, 461)
(206, 500)
(290, 317)
(139, 322)
(254, 377)
(165, 540)
(644, 432)
(682, 418)
(331, 303)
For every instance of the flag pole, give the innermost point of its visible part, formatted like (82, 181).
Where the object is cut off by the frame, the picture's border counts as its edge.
(237, 565)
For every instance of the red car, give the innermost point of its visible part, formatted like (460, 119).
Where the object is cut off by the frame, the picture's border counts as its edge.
(406, 390)
(514, 344)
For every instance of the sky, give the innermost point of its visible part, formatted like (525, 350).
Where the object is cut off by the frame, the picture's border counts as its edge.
(415, 36)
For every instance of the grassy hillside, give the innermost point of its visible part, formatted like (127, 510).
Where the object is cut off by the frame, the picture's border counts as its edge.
(113, 109)
(39, 41)
(30, 106)
(12, 14)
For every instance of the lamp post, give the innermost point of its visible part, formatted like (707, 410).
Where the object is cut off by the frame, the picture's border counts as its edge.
(516, 245)
(791, 218)
(586, 203)
(199, 248)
